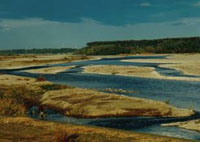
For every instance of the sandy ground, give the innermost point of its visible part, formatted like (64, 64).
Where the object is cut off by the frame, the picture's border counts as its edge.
(144, 72)
(91, 103)
(123, 70)
(50, 70)
(12, 62)
(187, 63)
(23, 129)
(190, 125)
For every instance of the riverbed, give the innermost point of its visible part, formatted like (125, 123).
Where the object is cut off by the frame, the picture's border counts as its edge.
(183, 94)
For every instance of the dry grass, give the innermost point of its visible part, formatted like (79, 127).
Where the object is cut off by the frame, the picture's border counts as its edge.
(16, 100)
(17, 94)
(22, 129)
(61, 135)
(10, 62)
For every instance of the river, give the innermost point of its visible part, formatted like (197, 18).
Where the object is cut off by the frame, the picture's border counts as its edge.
(183, 94)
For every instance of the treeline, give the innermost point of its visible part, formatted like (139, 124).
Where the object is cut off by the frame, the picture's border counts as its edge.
(169, 45)
(38, 51)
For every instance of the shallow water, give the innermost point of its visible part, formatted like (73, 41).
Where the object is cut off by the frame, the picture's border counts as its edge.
(185, 94)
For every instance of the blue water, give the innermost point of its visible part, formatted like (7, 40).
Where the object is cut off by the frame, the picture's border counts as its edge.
(184, 94)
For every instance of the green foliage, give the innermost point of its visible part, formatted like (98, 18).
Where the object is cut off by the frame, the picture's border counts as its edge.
(172, 45)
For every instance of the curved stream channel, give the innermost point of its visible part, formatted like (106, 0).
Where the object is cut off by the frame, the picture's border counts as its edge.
(183, 94)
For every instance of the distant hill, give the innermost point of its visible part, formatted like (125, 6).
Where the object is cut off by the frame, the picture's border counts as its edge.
(38, 51)
(168, 45)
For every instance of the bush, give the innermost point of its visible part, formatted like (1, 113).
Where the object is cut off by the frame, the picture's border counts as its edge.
(62, 136)
(40, 78)
(167, 101)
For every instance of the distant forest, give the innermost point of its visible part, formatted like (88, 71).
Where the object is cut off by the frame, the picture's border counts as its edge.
(169, 45)
(37, 51)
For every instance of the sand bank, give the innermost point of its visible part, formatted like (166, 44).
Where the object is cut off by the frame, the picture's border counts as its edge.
(50, 70)
(190, 125)
(187, 63)
(144, 72)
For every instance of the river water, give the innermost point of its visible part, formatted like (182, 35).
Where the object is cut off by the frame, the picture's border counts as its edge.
(183, 94)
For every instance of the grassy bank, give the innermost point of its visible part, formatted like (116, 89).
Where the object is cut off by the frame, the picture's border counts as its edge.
(22, 129)
(10, 62)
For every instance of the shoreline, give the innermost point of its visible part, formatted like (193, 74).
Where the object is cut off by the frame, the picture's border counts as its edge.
(23, 129)
(193, 125)
(186, 63)
(50, 70)
(27, 61)
(81, 102)
(151, 74)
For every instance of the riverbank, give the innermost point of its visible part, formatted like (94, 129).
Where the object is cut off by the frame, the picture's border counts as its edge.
(90, 104)
(187, 63)
(21, 61)
(19, 93)
(23, 129)
(146, 72)
(189, 125)
(50, 70)
(143, 72)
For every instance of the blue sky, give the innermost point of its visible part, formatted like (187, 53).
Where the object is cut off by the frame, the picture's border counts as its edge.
(73, 23)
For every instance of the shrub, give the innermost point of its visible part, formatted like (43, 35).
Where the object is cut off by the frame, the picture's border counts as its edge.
(40, 78)
(62, 136)
(167, 101)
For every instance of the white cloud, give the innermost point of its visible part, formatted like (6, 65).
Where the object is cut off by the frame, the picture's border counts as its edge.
(145, 4)
(197, 4)
(40, 33)
(187, 21)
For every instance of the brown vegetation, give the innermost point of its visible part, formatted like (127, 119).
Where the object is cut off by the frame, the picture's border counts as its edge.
(10, 62)
(22, 129)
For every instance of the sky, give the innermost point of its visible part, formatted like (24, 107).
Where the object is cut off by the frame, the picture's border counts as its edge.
(72, 23)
